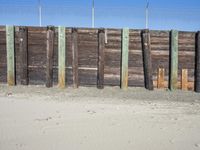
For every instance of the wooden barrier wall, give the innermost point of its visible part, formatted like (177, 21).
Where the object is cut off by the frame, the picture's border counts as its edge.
(98, 57)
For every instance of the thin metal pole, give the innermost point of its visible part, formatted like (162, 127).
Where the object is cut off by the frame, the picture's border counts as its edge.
(93, 17)
(40, 12)
(147, 14)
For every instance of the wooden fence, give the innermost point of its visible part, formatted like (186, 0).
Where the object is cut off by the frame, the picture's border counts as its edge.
(97, 57)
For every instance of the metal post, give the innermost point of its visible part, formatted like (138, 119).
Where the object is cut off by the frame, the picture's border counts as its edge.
(93, 11)
(147, 14)
(40, 12)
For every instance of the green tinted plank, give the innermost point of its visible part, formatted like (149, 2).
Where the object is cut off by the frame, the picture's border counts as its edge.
(61, 57)
(174, 60)
(124, 64)
(10, 55)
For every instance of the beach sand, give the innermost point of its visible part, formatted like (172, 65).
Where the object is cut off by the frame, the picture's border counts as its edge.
(39, 118)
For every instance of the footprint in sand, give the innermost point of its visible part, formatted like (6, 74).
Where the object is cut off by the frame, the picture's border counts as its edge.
(175, 118)
(171, 141)
(91, 111)
(43, 119)
(197, 145)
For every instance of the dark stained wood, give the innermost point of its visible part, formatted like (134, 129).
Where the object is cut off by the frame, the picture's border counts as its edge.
(75, 57)
(147, 60)
(197, 71)
(3, 59)
(23, 55)
(37, 76)
(50, 49)
(101, 47)
(88, 56)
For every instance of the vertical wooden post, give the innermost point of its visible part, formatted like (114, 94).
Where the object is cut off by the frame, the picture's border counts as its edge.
(75, 57)
(23, 55)
(124, 61)
(197, 69)
(146, 44)
(101, 47)
(174, 60)
(161, 78)
(50, 49)
(61, 57)
(184, 79)
(10, 55)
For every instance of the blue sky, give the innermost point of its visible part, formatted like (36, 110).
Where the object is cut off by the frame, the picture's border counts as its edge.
(163, 14)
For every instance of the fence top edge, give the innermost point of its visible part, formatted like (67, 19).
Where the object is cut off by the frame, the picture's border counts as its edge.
(3, 28)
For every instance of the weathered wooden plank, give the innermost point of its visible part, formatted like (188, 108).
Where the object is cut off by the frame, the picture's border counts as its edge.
(88, 54)
(61, 57)
(50, 50)
(124, 58)
(197, 69)
(23, 55)
(174, 60)
(146, 44)
(184, 79)
(87, 77)
(10, 55)
(161, 78)
(189, 87)
(101, 62)
(37, 76)
(75, 57)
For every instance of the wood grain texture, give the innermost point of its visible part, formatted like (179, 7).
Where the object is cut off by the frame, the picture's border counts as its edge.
(184, 79)
(88, 56)
(101, 47)
(190, 85)
(75, 58)
(124, 59)
(61, 56)
(174, 60)
(10, 55)
(197, 74)
(50, 51)
(161, 78)
(147, 60)
(23, 56)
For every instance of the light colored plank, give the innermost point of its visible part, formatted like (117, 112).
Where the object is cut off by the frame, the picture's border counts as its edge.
(161, 78)
(184, 79)
(10, 55)
(190, 85)
(174, 60)
(124, 64)
(61, 57)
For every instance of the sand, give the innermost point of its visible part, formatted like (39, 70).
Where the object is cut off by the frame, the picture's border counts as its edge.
(37, 118)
